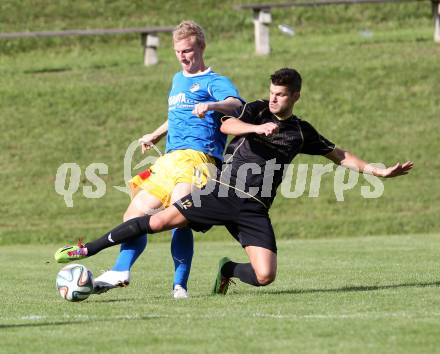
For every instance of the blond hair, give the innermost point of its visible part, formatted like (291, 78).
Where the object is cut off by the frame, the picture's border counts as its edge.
(189, 29)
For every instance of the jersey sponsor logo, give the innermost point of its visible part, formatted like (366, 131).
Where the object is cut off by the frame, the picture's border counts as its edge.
(195, 87)
(176, 99)
(180, 101)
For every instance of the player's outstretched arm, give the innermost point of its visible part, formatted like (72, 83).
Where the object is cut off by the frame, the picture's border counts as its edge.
(229, 106)
(152, 138)
(235, 126)
(351, 161)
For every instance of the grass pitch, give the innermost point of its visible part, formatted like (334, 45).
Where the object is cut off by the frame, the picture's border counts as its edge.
(356, 295)
(376, 97)
(84, 100)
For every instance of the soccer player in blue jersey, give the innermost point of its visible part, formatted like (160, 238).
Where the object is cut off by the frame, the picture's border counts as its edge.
(199, 97)
(268, 136)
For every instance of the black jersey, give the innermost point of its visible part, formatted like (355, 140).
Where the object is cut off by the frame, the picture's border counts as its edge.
(255, 163)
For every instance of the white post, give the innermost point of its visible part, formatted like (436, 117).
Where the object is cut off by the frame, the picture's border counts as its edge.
(262, 19)
(150, 42)
(436, 12)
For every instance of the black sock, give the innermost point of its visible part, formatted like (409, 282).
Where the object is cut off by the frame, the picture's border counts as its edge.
(130, 229)
(242, 271)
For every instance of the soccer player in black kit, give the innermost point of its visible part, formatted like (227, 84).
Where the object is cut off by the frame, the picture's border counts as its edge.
(267, 138)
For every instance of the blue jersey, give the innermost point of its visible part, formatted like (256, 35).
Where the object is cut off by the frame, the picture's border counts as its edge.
(186, 130)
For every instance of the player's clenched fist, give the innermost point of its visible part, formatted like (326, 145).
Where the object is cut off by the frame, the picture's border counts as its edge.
(266, 129)
(200, 109)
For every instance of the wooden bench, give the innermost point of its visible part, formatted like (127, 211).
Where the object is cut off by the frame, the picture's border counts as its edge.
(262, 16)
(149, 37)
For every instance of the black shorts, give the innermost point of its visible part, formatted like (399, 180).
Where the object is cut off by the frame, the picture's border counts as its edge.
(245, 218)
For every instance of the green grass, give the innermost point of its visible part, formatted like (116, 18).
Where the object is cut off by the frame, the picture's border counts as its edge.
(376, 97)
(366, 295)
(83, 100)
(220, 19)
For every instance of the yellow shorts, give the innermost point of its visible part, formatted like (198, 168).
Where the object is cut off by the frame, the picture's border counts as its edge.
(180, 166)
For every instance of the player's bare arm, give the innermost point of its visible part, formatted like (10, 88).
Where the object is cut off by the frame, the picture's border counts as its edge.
(228, 106)
(152, 138)
(235, 126)
(351, 161)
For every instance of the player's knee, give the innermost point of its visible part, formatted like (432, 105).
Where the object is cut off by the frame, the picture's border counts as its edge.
(265, 277)
(157, 223)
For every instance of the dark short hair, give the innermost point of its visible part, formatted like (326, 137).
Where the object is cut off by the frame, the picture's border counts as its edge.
(287, 77)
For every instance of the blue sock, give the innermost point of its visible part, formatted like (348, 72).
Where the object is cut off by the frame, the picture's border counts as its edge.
(129, 252)
(182, 250)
